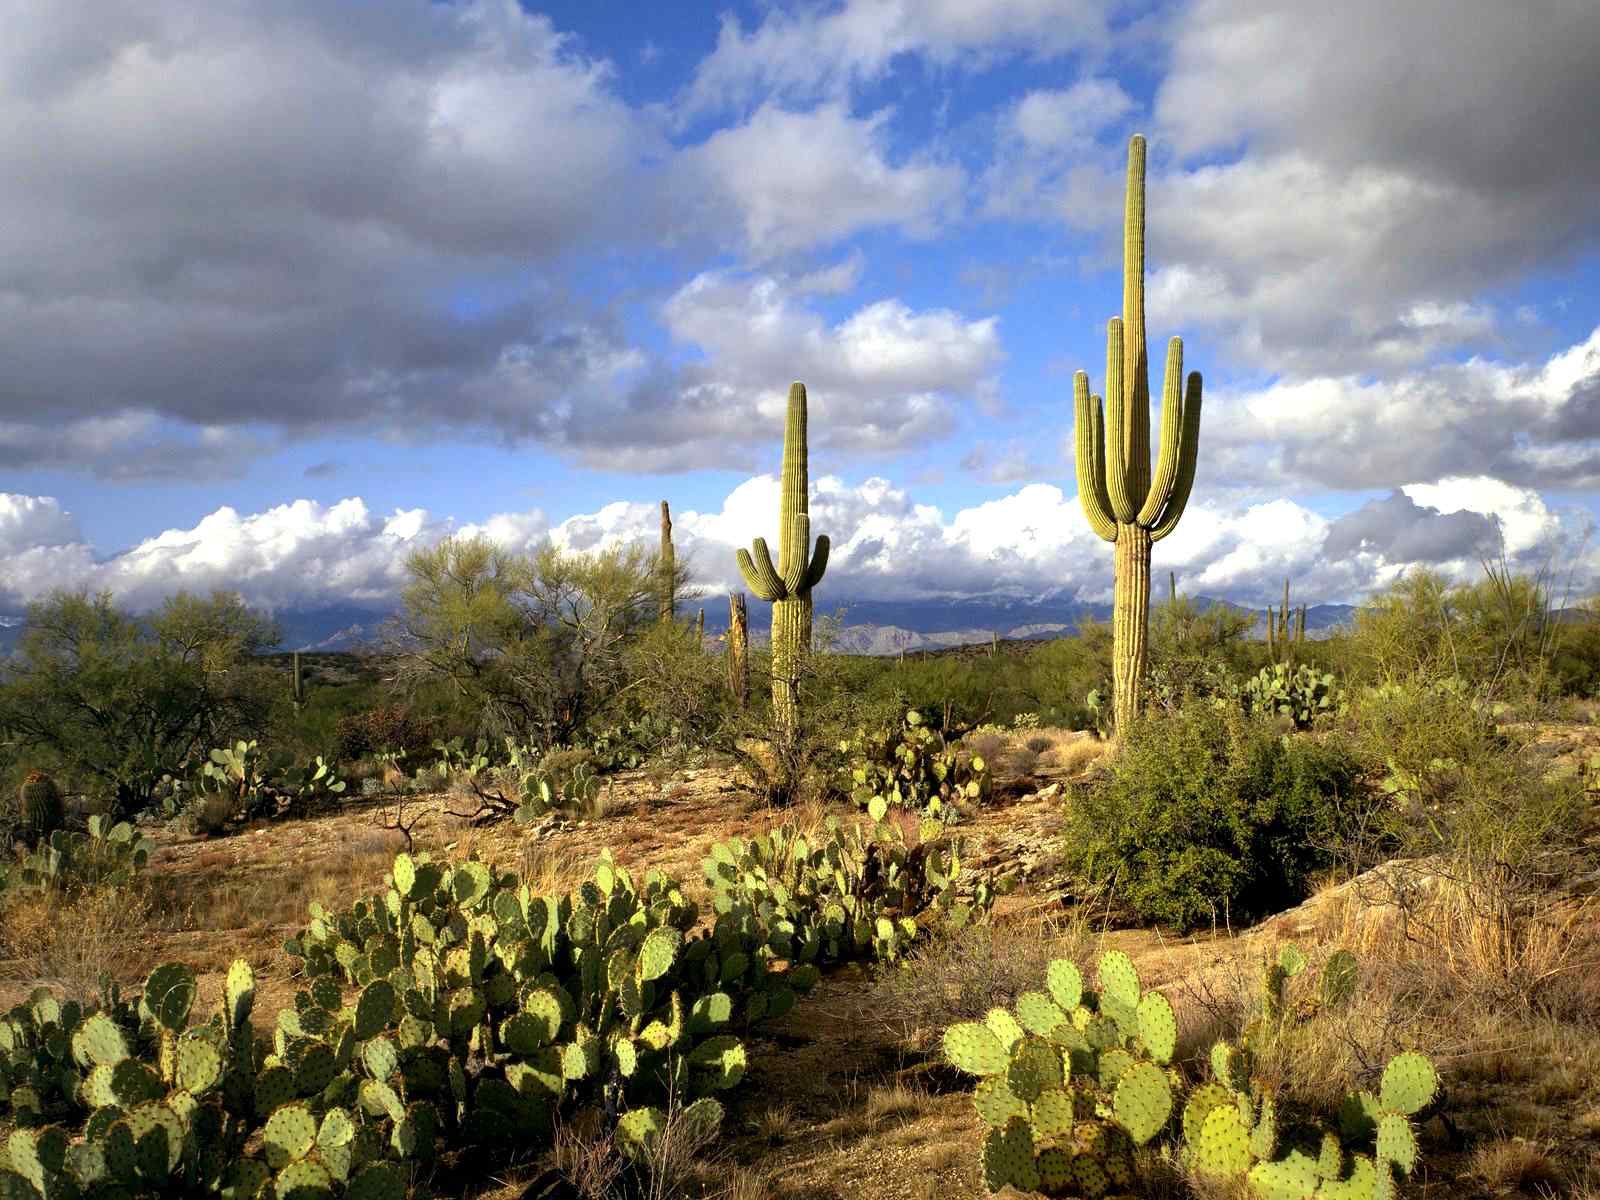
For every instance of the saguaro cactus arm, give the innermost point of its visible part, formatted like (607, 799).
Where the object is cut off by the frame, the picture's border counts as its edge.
(759, 574)
(819, 563)
(1187, 454)
(1091, 459)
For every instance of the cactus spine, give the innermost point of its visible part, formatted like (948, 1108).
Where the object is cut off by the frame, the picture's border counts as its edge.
(738, 649)
(788, 587)
(668, 566)
(1124, 504)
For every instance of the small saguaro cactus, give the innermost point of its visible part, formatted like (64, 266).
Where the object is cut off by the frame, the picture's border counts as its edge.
(1123, 502)
(297, 687)
(700, 630)
(738, 649)
(1284, 640)
(668, 567)
(788, 587)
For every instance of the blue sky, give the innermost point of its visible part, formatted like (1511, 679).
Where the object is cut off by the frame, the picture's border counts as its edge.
(288, 290)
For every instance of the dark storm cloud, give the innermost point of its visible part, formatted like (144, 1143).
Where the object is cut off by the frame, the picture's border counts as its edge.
(1401, 530)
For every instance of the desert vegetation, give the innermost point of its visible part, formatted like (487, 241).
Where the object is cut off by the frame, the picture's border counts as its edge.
(550, 897)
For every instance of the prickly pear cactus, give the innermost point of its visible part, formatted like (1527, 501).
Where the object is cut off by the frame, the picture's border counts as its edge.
(1073, 1080)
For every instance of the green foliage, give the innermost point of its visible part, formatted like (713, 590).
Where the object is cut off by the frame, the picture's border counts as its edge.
(121, 701)
(1456, 783)
(1209, 816)
(1073, 1081)
(913, 767)
(534, 643)
(1500, 636)
(107, 854)
(1300, 693)
(682, 699)
(1195, 653)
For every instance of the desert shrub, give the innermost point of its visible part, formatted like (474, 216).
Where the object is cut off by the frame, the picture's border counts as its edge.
(1060, 675)
(1455, 784)
(1501, 635)
(964, 974)
(1209, 815)
(383, 727)
(675, 684)
(1195, 653)
(120, 700)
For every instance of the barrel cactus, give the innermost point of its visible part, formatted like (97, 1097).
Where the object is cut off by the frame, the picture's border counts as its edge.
(39, 809)
(788, 587)
(1123, 502)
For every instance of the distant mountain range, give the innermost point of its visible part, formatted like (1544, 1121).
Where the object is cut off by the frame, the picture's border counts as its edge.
(878, 627)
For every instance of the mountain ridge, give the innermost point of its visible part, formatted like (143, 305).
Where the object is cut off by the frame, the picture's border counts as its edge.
(870, 627)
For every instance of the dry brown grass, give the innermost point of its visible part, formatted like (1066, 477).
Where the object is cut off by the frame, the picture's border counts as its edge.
(962, 976)
(680, 1164)
(1076, 756)
(1516, 1164)
(69, 941)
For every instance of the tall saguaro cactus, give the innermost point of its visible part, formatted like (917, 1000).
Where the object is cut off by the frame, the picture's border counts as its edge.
(788, 587)
(738, 649)
(667, 565)
(1124, 503)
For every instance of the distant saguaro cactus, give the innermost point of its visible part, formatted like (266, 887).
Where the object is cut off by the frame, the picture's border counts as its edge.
(667, 563)
(1121, 500)
(788, 587)
(1283, 639)
(297, 688)
(738, 649)
(700, 630)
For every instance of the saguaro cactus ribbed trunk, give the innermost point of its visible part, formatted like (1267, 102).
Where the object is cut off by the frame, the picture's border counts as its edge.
(738, 649)
(788, 587)
(1122, 501)
(667, 565)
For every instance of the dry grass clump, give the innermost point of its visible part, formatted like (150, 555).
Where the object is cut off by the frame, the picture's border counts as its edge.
(1516, 1164)
(987, 745)
(69, 941)
(1078, 755)
(962, 976)
(676, 1165)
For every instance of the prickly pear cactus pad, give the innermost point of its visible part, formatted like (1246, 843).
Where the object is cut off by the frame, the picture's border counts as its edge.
(1409, 1084)
(1143, 1101)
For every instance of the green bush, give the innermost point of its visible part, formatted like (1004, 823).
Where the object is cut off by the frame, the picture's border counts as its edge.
(1456, 783)
(1210, 815)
